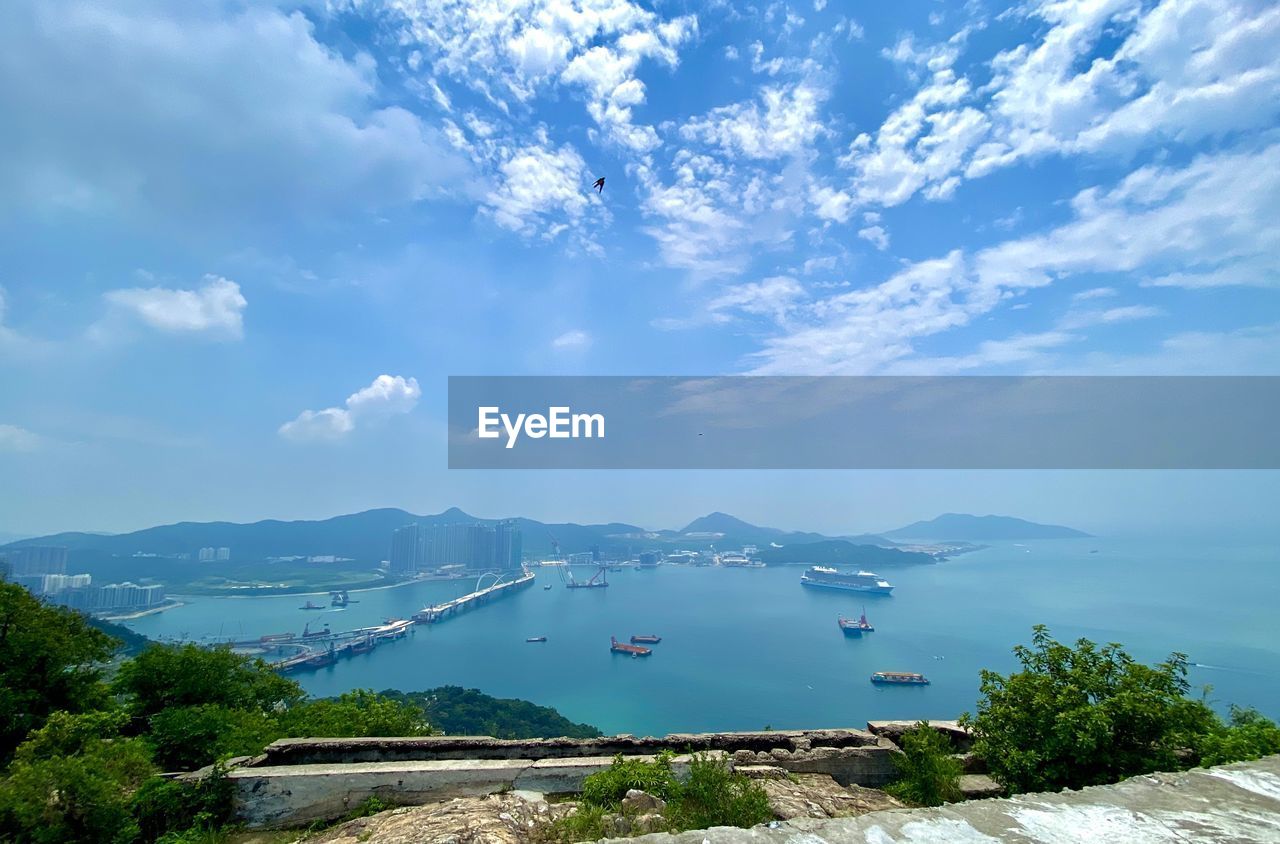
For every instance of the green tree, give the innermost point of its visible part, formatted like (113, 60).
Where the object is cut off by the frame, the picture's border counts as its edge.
(49, 659)
(71, 782)
(355, 713)
(185, 738)
(1084, 715)
(928, 775)
(1248, 735)
(166, 676)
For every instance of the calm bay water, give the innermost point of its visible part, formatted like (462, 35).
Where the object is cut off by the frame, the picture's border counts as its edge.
(743, 649)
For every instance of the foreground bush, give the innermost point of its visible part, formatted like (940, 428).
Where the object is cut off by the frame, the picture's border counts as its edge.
(1248, 735)
(928, 775)
(712, 795)
(1084, 715)
(70, 783)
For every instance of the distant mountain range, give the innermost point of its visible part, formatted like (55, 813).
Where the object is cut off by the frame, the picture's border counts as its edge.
(962, 527)
(366, 537)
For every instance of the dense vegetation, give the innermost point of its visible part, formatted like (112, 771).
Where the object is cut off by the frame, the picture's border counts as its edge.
(1088, 715)
(711, 795)
(468, 712)
(928, 775)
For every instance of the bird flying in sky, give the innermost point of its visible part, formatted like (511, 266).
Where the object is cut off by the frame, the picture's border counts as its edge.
(599, 185)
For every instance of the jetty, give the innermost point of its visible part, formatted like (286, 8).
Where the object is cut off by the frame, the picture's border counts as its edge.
(499, 589)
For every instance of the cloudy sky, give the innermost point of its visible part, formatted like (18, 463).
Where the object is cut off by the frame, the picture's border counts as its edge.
(243, 244)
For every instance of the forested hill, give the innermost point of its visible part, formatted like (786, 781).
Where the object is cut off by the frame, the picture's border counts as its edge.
(469, 712)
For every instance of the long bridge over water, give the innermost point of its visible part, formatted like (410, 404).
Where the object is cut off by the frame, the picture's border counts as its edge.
(313, 650)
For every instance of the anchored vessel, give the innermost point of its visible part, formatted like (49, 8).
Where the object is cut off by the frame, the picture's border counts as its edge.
(856, 626)
(623, 648)
(898, 678)
(824, 577)
(311, 605)
(645, 640)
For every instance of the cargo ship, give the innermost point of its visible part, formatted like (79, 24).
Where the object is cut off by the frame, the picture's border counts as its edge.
(536, 639)
(856, 626)
(898, 678)
(824, 577)
(311, 605)
(632, 650)
(363, 646)
(340, 599)
(308, 633)
(645, 640)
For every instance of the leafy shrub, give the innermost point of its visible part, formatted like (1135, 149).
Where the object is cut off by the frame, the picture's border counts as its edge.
(1248, 735)
(164, 808)
(355, 713)
(608, 787)
(928, 774)
(1074, 717)
(189, 737)
(713, 795)
(70, 783)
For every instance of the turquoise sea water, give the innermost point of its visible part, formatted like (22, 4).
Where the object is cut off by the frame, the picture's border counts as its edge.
(743, 649)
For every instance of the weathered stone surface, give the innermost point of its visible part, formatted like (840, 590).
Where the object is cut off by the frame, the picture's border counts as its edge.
(971, 763)
(332, 751)
(870, 765)
(819, 796)
(1226, 805)
(761, 772)
(961, 741)
(979, 787)
(495, 819)
(641, 802)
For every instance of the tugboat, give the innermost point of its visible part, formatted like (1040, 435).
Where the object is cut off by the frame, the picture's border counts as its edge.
(645, 640)
(631, 650)
(536, 639)
(898, 678)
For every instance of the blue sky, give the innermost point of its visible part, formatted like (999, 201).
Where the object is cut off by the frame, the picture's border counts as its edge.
(242, 244)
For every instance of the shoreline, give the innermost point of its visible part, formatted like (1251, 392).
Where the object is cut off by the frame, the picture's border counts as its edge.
(317, 590)
(170, 604)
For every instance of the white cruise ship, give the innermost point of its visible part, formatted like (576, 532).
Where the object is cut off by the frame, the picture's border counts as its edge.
(863, 581)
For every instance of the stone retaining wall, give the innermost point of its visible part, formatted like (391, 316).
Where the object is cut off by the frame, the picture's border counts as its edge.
(297, 781)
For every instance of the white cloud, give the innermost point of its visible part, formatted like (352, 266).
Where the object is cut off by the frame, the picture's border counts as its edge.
(575, 339)
(876, 235)
(781, 122)
(206, 112)
(511, 49)
(1218, 214)
(215, 308)
(1094, 293)
(539, 186)
(386, 396)
(16, 439)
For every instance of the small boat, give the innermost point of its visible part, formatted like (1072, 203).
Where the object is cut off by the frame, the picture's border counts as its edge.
(311, 605)
(645, 640)
(898, 678)
(546, 588)
(631, 650)
(536, 639)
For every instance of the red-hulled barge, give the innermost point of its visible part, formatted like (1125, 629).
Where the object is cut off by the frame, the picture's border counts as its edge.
(631, 650)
